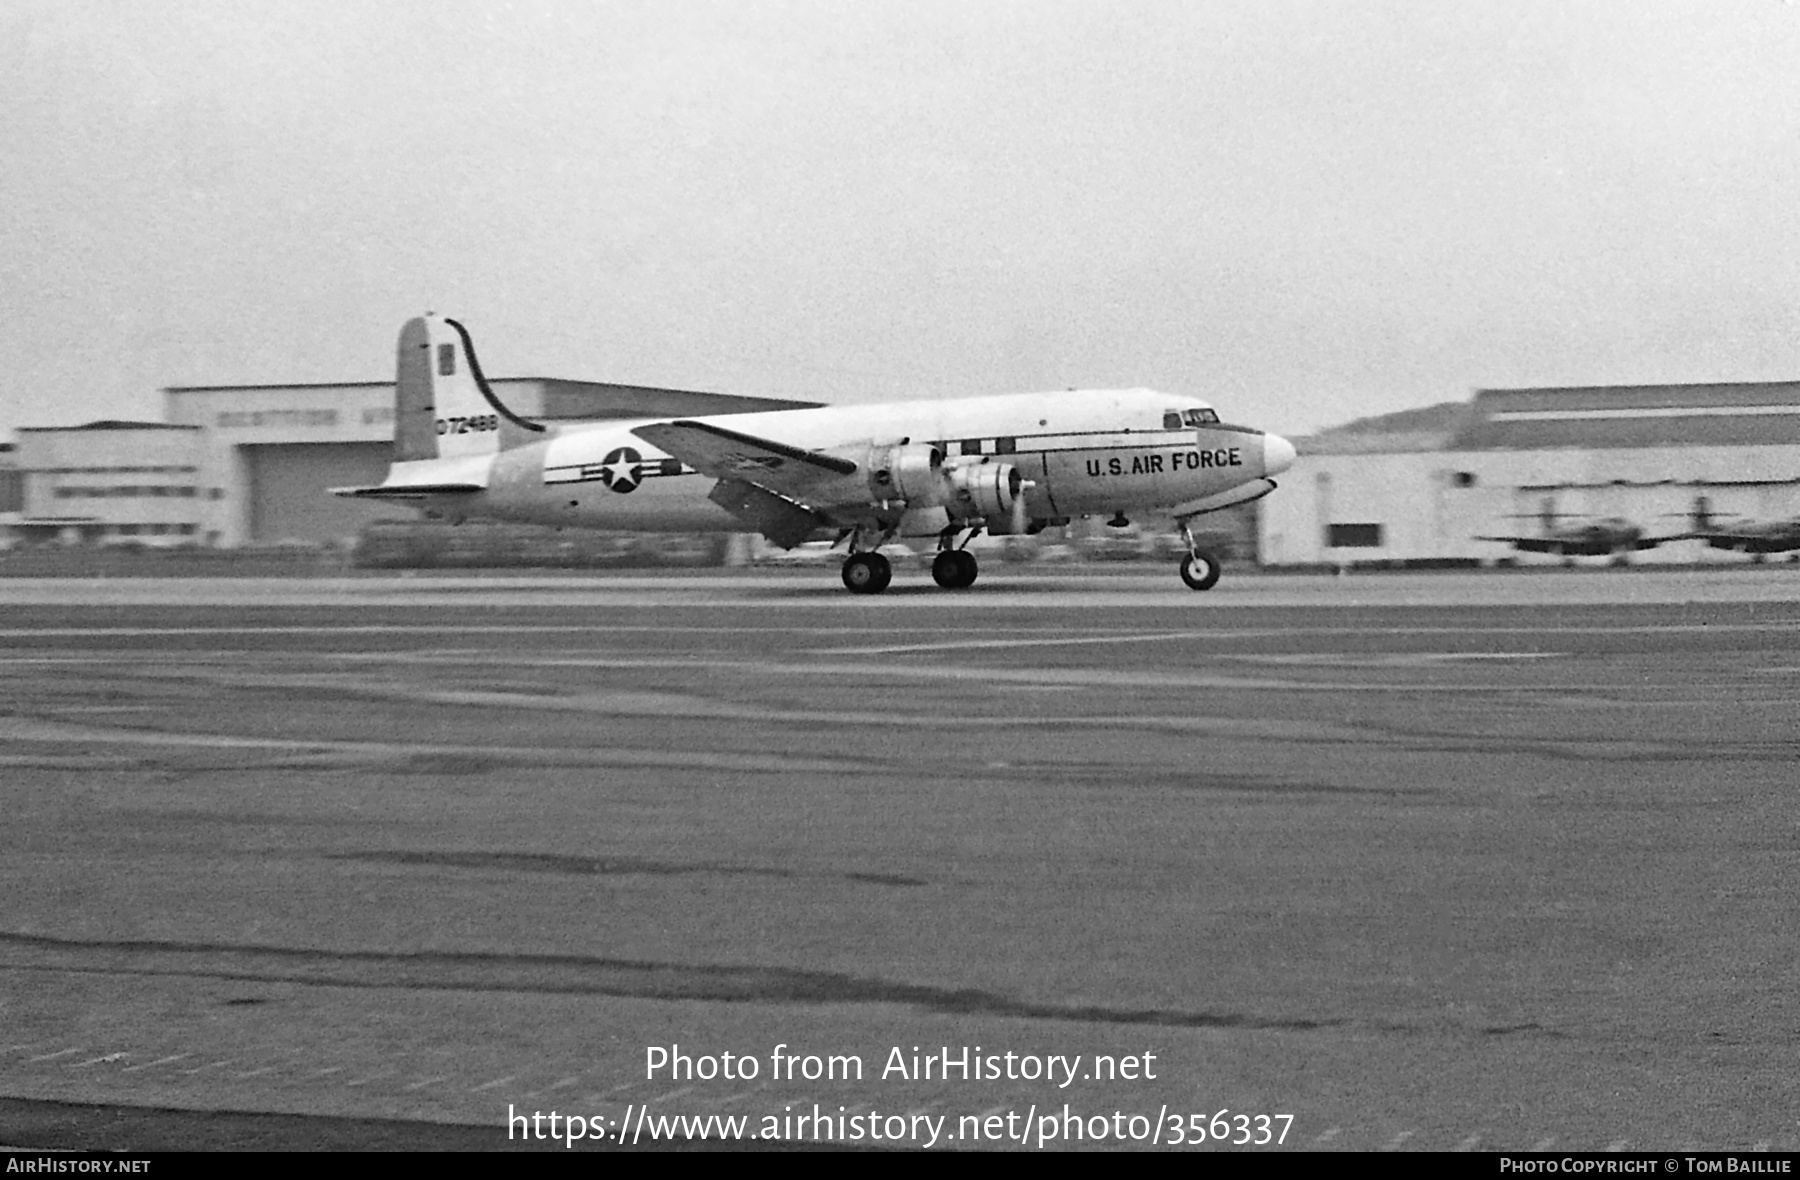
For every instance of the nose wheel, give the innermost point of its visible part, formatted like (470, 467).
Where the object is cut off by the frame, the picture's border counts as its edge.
(867, 573)
(954, 569)
(1200, 570)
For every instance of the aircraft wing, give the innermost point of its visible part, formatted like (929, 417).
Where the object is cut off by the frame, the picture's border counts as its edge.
(1582, 546)
(783, 492)
(787, 471)
(1529, 544)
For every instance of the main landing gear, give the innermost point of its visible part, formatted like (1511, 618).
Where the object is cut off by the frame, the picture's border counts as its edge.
(1200, 568)
(954, 569)
(867, 573)
(865, 570)
(954, 566)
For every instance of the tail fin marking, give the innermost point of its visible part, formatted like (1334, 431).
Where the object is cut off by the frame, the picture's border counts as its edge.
(443, 409)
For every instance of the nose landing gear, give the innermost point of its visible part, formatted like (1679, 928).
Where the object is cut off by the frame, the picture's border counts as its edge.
(1200, 568)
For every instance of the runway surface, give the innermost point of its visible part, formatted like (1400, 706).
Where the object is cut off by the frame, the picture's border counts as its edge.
(1453, 861)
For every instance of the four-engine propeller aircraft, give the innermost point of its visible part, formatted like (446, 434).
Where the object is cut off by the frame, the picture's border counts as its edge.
(1611, 536)
(864, 474)
(1753, 537)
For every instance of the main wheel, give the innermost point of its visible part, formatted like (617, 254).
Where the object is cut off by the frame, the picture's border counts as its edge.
(1200, 570)
(954, 569)
(867, 573)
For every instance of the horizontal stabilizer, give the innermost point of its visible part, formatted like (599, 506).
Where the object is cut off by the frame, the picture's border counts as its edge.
(409, 491)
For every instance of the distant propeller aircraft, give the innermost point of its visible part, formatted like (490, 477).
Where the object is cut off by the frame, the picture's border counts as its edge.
(859, 474)
(1748, 536)
(1610, 536)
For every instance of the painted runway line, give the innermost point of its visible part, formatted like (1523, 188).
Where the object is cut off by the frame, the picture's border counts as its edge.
(20, 729)
(961, 645)
(54, 1056)
(1038, 676)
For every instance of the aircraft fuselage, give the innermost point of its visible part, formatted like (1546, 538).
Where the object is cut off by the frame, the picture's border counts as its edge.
(1081, 453)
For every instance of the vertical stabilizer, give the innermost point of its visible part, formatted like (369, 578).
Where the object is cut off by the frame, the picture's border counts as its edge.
(414, 435)
(442, 406)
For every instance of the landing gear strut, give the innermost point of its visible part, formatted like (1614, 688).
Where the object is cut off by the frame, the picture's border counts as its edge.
(1200, 568)
(867, 573)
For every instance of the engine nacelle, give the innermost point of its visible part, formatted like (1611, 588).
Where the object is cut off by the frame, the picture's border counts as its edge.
(908, 471)
(987, 490)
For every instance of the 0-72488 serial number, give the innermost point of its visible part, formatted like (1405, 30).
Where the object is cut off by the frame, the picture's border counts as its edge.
(473, 425)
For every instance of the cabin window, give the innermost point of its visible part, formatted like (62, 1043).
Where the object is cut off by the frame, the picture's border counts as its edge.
(446, 360)
(971, 446)
(1463, 479)
(1172, 420)
(1006, 446)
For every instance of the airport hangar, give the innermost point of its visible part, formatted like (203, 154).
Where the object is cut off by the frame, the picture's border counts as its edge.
(1418, 488)
(245, 465)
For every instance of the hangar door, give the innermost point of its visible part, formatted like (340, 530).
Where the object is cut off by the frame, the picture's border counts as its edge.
(289, 496)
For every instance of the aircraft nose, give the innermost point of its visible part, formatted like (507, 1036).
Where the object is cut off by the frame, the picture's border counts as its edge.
(1278, 454)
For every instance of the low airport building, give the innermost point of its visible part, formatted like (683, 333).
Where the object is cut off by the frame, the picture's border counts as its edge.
(110, 482)
(1419, 488)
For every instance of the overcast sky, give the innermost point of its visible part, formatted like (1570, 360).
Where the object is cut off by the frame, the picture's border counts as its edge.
(1306, 211)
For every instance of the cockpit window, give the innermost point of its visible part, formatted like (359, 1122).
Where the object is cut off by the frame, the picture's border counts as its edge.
(1176, 419)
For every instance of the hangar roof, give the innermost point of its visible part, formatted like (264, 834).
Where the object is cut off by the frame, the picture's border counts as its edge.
(1739, 414)
(1758, 413)
(1428, 428)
